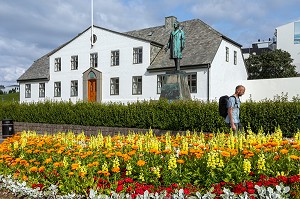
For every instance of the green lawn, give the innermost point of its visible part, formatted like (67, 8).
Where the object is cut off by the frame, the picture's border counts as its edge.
(10, 97)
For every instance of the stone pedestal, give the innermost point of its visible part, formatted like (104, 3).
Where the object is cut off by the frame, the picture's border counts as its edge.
(175, 86)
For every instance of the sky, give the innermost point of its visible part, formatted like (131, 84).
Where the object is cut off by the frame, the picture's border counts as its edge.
(31, 28)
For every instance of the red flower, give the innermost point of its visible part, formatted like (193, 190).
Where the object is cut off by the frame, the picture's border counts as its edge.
(186, 191)
(128, 180)
(251, 191)
(119, 188)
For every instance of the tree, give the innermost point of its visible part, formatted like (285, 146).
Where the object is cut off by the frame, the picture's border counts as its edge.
(270, 64)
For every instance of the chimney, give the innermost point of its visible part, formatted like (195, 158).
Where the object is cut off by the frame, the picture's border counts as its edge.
(169, 22)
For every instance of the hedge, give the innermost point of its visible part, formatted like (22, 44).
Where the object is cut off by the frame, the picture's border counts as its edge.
(178, 115)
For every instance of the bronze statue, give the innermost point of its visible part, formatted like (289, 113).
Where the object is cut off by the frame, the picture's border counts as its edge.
(176, 44)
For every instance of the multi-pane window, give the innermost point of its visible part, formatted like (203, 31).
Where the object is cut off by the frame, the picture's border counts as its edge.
(235, 57)
(227, 54)
(74, 88)
(94, 60)
(57, 64)
(27, 90)
(115, 57)
(41, 89)
(138, 55)
(192, 82)
(160, 83)
(57, 89)
(136, 85)
(114, 86)
(74, 62)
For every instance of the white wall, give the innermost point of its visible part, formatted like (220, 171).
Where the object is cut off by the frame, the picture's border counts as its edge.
(268, 88)
(225, 76)
(285, 41)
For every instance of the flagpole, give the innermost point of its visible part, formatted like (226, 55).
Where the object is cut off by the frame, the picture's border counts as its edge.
(92, 23)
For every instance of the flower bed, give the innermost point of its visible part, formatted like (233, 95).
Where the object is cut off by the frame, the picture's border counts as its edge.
(190, 164)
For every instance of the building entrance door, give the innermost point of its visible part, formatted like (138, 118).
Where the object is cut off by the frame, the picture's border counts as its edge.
(92, 90)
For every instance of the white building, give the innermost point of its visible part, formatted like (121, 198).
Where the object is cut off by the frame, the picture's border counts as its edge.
(125, 67)
(288, 39)
(14, 88)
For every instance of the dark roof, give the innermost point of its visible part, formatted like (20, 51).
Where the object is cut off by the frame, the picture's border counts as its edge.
(38, 70)
(202, 43)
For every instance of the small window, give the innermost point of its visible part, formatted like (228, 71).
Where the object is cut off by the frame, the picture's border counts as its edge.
(227, 54)
(138, 55)
(57, 64)
(115, 57)
(114, 86)
(94, 60)
(192, 82)
(57, 89)
(74, 88)
(235, 58)
(41, 89)
(160, 82)
(137, 85)
(27, 90)
(74, 62)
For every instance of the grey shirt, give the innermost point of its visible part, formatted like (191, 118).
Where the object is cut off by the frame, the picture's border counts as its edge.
(235, 104)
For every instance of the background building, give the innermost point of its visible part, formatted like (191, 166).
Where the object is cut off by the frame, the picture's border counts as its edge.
(126, 67)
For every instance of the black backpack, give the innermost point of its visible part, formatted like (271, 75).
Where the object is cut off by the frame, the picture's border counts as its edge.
(223, 105)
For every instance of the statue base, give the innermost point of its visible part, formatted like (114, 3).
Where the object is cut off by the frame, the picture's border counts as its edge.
(175, 86)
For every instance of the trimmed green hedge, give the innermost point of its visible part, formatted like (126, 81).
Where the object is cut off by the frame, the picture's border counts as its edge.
(178, 115)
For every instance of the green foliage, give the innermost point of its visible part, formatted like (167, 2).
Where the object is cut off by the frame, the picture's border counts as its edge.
(178, 115)
(270, 64)
(12, 96)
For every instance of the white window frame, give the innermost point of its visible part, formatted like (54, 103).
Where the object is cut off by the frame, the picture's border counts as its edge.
(138, 55)
(42, 90)
(137, 85)
(74, 62)
(27, 90)
(57, 64)
(115, 58)
(227, 54)
(160, 83)
(57, 89)
(74, 88)
(235, 57)
(94, 60)
(114, 86)
(192, 79)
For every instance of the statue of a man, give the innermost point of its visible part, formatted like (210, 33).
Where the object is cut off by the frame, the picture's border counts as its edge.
(176, 44)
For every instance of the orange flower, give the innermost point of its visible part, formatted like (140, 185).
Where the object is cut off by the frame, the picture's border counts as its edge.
(294, 157)
(284, 151)
(183, 153)
(131, 152)
(225, 154)
(276, 157)
(33, 169)
(71, 173)
(141, 163)
(42, 169)
(74, 166)
(115, 170)
(24, 178)
(180, 161)
(48, 160)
